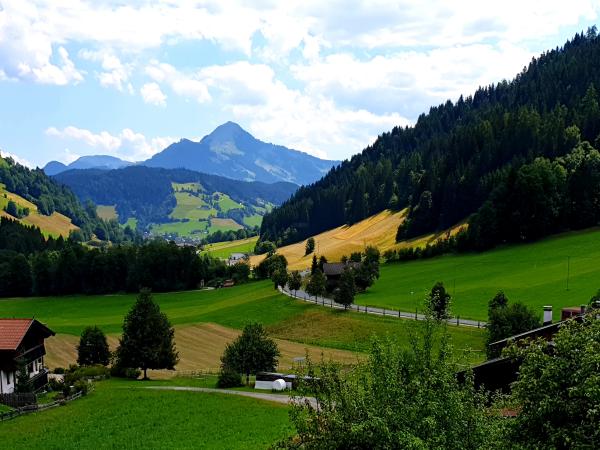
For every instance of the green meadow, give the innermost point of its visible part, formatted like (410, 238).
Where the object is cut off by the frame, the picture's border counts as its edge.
(124, 414)
(535, 274)
(284, 317)
(224, 249)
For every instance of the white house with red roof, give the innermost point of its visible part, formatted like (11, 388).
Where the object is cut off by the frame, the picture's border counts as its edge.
(22, 342)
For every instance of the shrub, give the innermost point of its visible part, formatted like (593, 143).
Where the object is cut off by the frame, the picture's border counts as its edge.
(81, 386)
(59, 370)
(229, 378)
(125, 372)
(55, 385)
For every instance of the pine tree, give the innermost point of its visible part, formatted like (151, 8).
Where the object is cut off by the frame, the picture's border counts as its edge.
(147, 340)
(93, 347)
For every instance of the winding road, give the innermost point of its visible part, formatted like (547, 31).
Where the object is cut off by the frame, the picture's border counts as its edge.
(329, 303)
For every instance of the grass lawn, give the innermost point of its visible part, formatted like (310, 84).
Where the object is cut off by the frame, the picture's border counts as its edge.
(122, 414)
(535, 274)
(224, 249)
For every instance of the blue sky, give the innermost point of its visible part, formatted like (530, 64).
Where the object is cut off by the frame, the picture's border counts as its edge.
(325, 77)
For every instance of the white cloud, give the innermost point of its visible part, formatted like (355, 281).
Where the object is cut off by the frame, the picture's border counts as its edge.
(16, 158)
(128, 144)
(115, 73)
(152, 94)
(184, 85)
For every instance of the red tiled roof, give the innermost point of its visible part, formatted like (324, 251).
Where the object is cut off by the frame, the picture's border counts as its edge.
(12, 332)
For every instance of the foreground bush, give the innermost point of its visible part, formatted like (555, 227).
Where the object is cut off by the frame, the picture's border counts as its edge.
(397, 399)
(229, 378)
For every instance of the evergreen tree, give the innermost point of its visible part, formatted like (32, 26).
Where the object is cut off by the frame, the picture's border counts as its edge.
(93, 347)
(147, 340)
(314, 265)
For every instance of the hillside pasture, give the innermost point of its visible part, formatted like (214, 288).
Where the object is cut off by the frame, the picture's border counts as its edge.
(54, 225)
(107, 212)
(217, 224)
(535, 274)
(224, 249)
(378, 230)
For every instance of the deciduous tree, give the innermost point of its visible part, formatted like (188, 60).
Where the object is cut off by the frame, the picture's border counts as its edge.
(93, 347)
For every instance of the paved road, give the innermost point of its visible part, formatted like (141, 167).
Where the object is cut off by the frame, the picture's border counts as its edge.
(329, 303)
(278, 398)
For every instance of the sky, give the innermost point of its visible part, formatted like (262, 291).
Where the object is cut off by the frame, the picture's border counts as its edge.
(325, 77)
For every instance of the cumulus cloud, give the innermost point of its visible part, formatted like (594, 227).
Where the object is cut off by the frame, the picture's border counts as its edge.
(127, 144)
(114, 74)
(16, 158)
(152, 94)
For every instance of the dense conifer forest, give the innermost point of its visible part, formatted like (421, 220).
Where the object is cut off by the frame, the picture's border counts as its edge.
(500, 153)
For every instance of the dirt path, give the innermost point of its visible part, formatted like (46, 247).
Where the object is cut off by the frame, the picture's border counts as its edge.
(278, 398)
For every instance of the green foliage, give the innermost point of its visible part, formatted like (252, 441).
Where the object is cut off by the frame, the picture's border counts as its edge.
(346, 289)
(251, 352)
(229, 378)
(310, 246)
(23, 385)
(270, 265)
(295, 281)
(595, 300)
(279, 277)
(265, 247)
(398, 398)
(147, 340)
(437, 302)
(125, 372)
(506, 320)
(557, 390)
(317, 284)
(93, 347)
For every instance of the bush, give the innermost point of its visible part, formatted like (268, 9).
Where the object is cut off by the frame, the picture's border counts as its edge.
(55, 385)
(75, 373)
(59, 370)
(125, 372)
(229, 378)
(81, 386)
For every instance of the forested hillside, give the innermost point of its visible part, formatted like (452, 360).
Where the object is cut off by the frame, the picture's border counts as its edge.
(47, 197)
(147, 194)
(477, 149)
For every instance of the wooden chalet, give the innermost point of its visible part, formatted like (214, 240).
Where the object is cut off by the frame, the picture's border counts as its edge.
(22, 343)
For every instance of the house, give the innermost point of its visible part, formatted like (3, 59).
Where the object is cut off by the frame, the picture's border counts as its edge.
(22, 342)
(499, 373)
(235, 258)
(333, 272)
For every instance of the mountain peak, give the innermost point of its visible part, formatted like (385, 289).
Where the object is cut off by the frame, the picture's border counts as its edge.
(227, 131)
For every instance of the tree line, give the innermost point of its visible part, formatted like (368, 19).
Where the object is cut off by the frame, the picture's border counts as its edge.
(33, 265)
(460, 154)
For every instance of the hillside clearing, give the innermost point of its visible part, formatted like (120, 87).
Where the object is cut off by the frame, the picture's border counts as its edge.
(378, 230)
(54, 225)
(107, 212)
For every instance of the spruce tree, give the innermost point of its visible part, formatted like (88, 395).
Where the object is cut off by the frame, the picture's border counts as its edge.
(147, 341)
(93, 347)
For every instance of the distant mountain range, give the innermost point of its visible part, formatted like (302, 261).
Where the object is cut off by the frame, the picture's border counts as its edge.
(103, 162)
(228, 151)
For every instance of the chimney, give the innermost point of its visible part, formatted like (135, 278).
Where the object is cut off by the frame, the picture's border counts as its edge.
(547, 315)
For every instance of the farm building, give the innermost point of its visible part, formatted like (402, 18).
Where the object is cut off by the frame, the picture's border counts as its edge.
(499, 373)
(333, 272)
(22, 342)
(235, 258)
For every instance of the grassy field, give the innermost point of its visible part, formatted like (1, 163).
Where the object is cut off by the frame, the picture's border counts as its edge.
(378, 230)
(224, 249)
(131, 223)
(107, 212)
(206, 320)
(123, 414)
(54, 225)
(217, 224)
(535, 274)
(191, 207)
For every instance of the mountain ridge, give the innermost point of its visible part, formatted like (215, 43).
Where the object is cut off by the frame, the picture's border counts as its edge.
(104, 162)
(231, 151)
